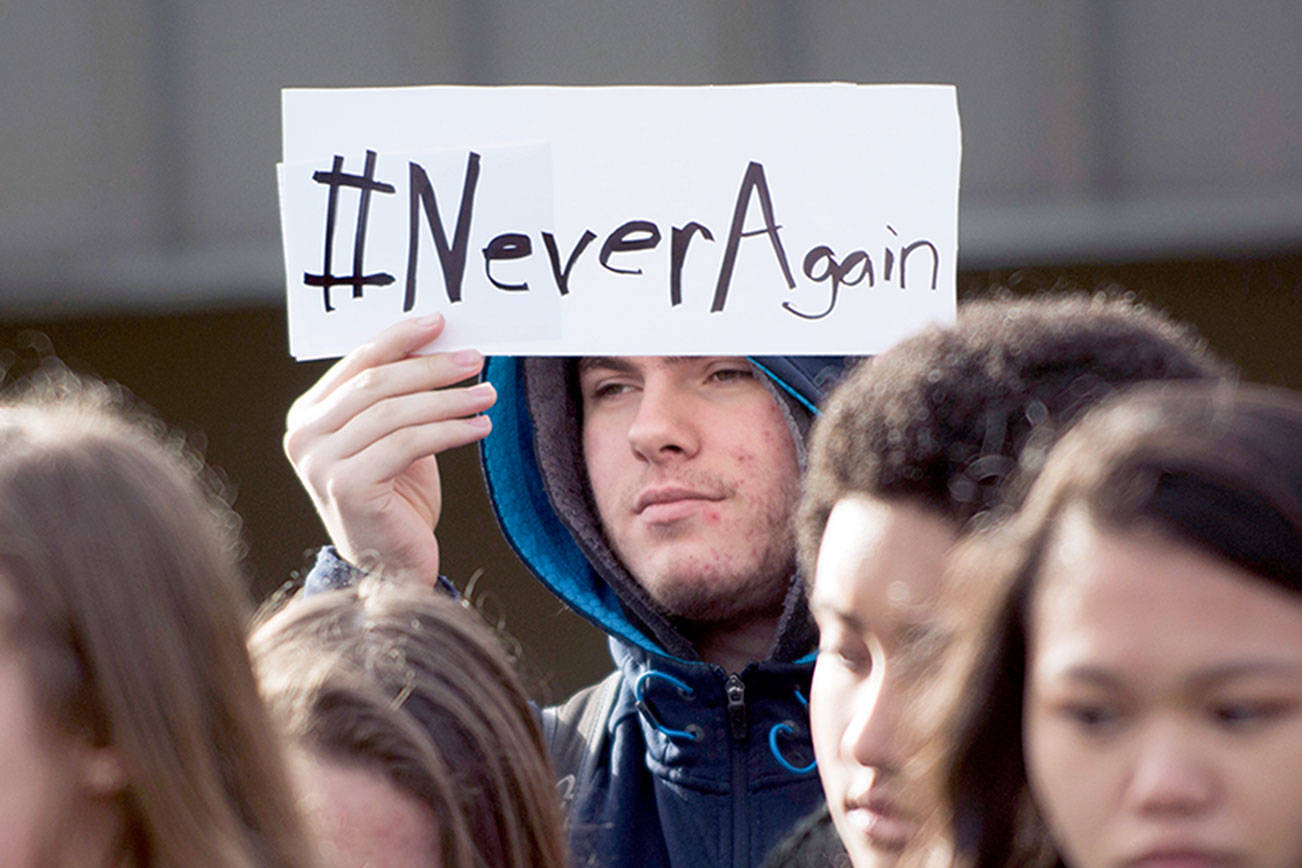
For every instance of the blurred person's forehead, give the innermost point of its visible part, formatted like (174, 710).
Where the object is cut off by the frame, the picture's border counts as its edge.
(879, 559)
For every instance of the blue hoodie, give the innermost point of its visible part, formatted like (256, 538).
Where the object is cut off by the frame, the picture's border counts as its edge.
(695, 766)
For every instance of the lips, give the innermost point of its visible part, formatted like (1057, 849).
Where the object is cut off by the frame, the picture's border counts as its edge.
(671, 502)
(881, 821)
(1182, 855)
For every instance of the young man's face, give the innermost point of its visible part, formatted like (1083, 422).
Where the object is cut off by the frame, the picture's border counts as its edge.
(878, 572)
(695, 476)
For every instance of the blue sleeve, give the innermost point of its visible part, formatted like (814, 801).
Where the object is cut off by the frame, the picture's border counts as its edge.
(331, 572)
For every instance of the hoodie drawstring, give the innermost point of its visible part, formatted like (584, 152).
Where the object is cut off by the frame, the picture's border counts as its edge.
(789, 728)
(694, 733)
(691, 733)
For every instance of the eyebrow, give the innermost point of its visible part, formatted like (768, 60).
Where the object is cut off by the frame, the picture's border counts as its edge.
(622, 365)
(1202, 679)
(614, 363)
(1092, 675)
(1222, 672)
(829, 608)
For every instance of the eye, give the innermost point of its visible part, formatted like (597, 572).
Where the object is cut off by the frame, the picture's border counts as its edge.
(1241, 715)
(854, 660)
(607, 390)
(1092, 718)
(859, 664)
(732, 374)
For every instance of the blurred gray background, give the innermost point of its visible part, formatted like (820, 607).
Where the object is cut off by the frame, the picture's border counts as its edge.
(1150, 144)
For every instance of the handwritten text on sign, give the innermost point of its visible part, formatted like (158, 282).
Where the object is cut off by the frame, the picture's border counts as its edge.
(621, 220)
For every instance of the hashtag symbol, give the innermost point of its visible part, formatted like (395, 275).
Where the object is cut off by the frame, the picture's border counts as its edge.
(365, 182)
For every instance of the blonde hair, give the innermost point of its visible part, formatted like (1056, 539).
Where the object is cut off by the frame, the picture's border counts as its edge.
(130, 611)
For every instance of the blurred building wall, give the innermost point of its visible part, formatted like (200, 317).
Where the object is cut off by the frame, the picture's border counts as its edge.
(140, 139)
(1155, 144)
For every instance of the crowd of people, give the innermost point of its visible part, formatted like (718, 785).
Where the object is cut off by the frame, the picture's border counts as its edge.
(1022, 590)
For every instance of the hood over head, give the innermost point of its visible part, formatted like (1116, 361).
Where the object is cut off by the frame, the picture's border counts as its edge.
(537, 482)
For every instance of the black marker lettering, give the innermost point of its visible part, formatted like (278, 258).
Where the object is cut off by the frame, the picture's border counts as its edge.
(850, 262)
(935, 260)
(511, 245)
(680, 238)
(890, 257)
(633, 235)
(451, 257)
(367, 184)
(563, 275)
(837, 274)
(752, 181)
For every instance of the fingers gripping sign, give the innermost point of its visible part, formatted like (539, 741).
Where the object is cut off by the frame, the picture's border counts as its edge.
(364, 441)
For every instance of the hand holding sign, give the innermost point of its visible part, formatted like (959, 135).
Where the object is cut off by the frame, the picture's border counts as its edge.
(364, 442)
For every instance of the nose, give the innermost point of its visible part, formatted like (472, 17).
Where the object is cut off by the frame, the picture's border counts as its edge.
(869, 737)
(1170, 776)
(663, 428)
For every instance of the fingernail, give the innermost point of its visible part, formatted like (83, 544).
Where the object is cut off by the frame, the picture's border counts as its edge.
(480, 421)
(467, 358)
(430, 320)
(481, 390)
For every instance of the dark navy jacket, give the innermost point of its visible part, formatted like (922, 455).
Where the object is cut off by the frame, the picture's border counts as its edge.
(697, 767)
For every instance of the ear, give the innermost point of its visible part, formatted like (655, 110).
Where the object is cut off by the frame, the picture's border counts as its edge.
(102, 771)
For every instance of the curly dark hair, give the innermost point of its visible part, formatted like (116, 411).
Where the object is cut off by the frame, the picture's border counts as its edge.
(949, 416)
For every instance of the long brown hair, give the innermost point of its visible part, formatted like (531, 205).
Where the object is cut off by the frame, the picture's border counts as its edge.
(1215, 467)
(131, 612)
(415, 686)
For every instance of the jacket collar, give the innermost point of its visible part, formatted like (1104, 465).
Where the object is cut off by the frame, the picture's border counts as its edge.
(698, 722)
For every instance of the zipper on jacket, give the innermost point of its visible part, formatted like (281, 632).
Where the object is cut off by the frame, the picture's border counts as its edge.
(735, 690)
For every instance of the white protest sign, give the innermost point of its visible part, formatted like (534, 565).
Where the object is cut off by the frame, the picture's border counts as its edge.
(740, 220)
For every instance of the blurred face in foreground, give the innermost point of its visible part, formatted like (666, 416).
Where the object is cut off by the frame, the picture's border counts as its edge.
(1163, 717)
(878, 572)
(36, 799)
(360, 818)
(58, 792)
